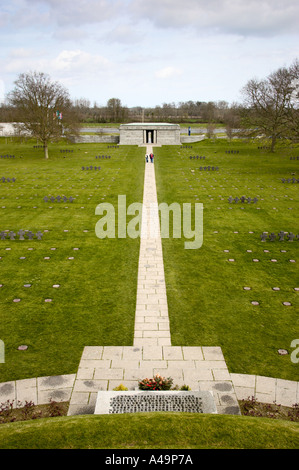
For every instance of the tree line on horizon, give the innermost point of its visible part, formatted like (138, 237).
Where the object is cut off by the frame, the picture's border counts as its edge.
(115, 112)
(270, 109)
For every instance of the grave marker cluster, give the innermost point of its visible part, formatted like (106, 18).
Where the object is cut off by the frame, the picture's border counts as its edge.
(290, 180)
(232, 151)
(209, 168)
(58, 199)
(66, 150)
(294, 158)
(7, 156)
(8, 180)
(103, 156)
(91, 168)
(242, 199)
(201, 157)
(282, 236)
(21, 233)
(38, 146)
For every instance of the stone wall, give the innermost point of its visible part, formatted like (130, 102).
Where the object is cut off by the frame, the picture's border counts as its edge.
(131, 136)
(191, 138)
(168, 137)
(95, 139)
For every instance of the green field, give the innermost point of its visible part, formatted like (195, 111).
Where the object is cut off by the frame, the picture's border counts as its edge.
(95, 303)
(151, 431)
(207, 303)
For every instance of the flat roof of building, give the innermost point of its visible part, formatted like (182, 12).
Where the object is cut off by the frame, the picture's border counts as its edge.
(149, 124)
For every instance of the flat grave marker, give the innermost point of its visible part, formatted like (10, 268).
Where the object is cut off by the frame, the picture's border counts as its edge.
(139, 401)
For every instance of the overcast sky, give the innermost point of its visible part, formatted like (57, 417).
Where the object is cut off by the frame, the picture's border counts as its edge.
(148, 52)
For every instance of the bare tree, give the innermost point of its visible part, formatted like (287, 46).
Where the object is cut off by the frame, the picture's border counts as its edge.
(269, 105)
(43, 108)
(210, 130)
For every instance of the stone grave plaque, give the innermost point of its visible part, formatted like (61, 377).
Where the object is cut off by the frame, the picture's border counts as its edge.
(115, 402)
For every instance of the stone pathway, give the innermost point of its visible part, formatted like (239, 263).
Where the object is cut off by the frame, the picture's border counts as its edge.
(151, 316)
(41, 390)
(106, 367)
(103, 368)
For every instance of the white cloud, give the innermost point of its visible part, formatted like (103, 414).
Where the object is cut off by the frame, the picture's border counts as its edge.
(77, 60)
(123, 34)
(70, 34)
(148, 52)
(168, 72)
(78, 12)
(248, 18)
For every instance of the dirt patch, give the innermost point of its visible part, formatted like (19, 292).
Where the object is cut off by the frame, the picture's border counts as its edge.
(10, 413)
(251, 407)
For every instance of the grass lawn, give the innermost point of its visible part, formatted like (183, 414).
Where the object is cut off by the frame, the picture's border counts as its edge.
(207, 303)
(95, 303)
(147, 431)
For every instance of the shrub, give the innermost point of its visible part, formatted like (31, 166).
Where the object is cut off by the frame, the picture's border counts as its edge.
(120, 388)
(185, 387)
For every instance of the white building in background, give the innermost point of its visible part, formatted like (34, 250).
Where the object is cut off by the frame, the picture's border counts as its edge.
(149, 133)
(7, 129)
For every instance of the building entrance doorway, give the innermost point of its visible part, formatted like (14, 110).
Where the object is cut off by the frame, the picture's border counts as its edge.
(149, 137)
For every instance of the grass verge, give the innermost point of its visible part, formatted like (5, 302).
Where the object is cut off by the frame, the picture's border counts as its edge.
(151, 431)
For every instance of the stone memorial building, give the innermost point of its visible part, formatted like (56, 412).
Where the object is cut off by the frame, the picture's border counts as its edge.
(149, 133)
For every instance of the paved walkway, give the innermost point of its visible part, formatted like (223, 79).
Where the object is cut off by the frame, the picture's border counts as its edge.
(151, 316)
(105, 367)
(60, 388)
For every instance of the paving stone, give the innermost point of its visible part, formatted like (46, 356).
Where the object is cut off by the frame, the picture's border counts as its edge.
(125, 363)
(221, 374)
(154, 364)
(112, 352)
(164, 341)
(56, 382)
(212, 353)
(7, 391)
(286, 396)
(85, 373)
(92, 352)
(173, 352)
(25, 383)
(192, 375)
(146, 326)
(265, 397)
(265, 384)
(59, 395)
(151, 342)
(243, 380)
(90, 385)
(156, 334)
(190, 352)
(107, 374)
(243, 393)
(95, 363)
(152, 352)
(80, 398)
